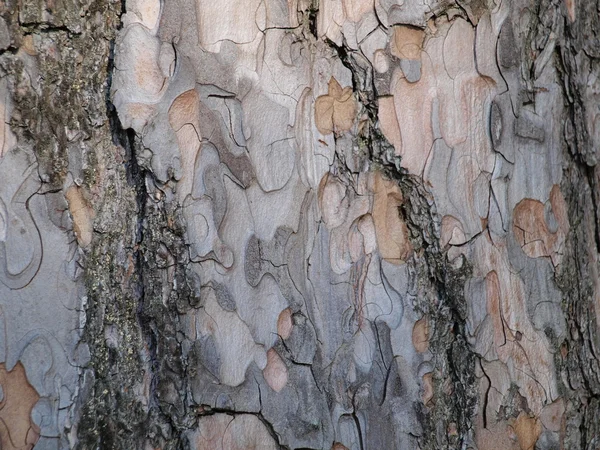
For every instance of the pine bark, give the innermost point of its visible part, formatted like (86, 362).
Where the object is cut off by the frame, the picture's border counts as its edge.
(325, 224)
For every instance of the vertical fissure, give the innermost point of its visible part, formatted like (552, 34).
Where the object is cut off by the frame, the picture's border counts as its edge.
(577, 361)
(452, 353)
(136, 178)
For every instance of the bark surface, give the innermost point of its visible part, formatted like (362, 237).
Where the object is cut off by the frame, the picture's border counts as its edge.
(325, 224)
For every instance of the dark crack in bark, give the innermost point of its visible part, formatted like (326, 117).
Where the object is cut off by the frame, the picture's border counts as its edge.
(441, 286)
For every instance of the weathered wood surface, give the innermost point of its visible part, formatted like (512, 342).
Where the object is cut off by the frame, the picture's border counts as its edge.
(334, 224)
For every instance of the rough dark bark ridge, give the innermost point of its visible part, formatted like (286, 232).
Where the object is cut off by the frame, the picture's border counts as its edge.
(577, 56)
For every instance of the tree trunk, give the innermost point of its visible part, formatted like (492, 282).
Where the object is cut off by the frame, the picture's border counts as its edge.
(334, 224)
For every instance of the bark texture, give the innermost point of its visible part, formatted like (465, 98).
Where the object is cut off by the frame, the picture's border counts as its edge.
(325, 224)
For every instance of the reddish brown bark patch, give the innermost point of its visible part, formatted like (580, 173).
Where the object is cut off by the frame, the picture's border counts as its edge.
(533, 232)
(17, 430)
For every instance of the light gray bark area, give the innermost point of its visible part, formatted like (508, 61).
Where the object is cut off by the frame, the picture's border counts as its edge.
(304, 224)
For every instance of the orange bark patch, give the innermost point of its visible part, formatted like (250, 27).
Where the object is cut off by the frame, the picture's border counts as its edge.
(225, 432)
(570, 4)
(532, 230)
(427, 388)
(17, 430)
(452, 232)
(494, 307)
(184, 119)
(420, 335)
(28, 45)
(284, 323)
(82, 215)
(184, 110)
(338, 446)
(333, 201)
(390, 229)
(528, 431)
(140, 112)
(275, 373)
(407, 42)
(336, 111)
(355, 10)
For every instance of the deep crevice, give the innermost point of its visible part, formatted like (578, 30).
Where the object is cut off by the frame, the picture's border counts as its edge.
(446, 282)
(136, 178)
(312, 19)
